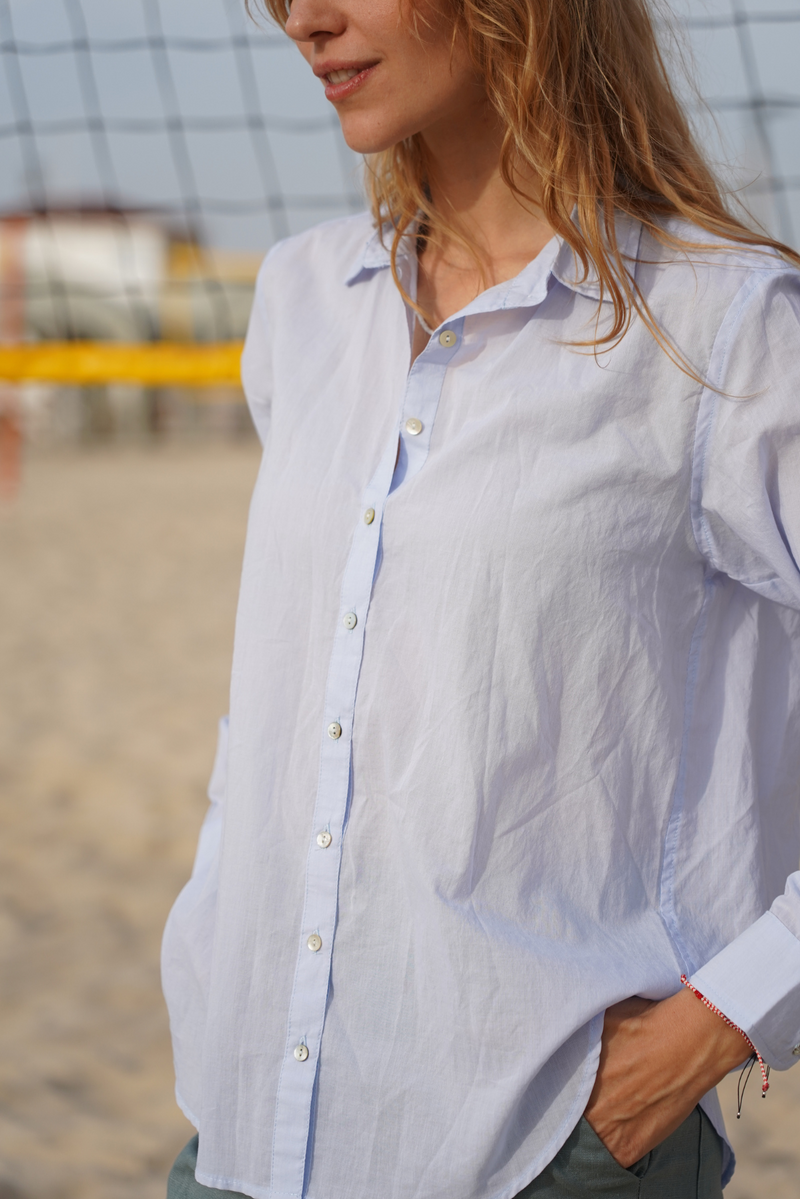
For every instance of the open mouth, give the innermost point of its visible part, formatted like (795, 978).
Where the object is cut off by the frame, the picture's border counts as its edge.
(340, 82)
(343, 76)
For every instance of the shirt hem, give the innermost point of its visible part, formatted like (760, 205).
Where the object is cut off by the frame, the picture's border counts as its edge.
(187, 1111)
(556, 1142)
(543, 1159)
(221, 1183)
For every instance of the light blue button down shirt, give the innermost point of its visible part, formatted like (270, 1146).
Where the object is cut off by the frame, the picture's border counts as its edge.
(514, 716)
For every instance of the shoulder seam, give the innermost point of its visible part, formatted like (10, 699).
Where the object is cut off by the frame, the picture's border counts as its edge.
(708, 406)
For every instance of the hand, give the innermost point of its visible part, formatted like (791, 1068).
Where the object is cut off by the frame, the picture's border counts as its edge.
(657, 1060)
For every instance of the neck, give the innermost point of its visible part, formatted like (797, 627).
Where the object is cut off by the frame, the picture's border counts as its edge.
(469, 191)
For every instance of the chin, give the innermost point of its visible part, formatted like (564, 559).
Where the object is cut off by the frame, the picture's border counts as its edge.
(369, 136)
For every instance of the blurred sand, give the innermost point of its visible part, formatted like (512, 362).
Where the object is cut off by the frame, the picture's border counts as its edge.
(119, 579)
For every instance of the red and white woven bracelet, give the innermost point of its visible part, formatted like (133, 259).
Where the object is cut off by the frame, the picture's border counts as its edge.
(754, 1052)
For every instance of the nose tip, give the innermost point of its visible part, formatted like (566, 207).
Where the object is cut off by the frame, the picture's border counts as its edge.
(314, 20)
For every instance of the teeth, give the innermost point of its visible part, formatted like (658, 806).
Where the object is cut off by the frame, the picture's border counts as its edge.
(342, 76)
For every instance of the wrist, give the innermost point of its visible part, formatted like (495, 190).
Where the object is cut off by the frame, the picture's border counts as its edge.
(729, 1044)
(698, 1048)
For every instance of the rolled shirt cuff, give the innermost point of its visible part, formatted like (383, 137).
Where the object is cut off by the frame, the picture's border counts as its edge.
(755, 981)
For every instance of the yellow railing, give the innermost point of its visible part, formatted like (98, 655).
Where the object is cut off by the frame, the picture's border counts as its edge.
(152, 364)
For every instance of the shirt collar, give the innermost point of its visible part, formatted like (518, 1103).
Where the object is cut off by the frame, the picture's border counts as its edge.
(568, 270)
(530, 286)
(375, 254)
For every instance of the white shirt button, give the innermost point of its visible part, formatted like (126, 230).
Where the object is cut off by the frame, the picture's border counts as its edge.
(447, 338)
(301, 1052)
(314, 942)
(324, 839)
(334, 730)
(350, 621)
(413, 426)
(369, 516)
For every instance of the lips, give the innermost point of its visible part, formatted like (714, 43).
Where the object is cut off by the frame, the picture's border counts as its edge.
(342, 79)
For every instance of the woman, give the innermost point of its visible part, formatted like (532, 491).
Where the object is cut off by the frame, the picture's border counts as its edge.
(513, 735)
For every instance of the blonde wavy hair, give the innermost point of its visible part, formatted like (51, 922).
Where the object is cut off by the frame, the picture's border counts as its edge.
(585, 97)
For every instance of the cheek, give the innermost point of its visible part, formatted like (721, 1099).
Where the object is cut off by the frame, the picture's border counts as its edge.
(420, 81)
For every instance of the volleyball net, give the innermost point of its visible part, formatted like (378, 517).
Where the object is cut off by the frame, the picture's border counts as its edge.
(151, 152)
(149, 155)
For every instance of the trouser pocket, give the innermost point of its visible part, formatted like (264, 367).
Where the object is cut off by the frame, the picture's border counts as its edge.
(687, 1165)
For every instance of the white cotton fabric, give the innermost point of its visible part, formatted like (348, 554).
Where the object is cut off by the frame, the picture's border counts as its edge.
(569, 756)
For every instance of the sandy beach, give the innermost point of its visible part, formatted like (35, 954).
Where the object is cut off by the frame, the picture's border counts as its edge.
(119, 572)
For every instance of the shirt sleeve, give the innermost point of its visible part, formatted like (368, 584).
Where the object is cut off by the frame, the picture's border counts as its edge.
(257, 355)
(746, 515)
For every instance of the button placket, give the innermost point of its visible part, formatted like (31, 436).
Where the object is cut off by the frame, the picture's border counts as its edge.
(423, 389)
(312, 971)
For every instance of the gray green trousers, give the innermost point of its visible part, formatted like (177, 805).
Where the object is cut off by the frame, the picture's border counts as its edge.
(688, 1165)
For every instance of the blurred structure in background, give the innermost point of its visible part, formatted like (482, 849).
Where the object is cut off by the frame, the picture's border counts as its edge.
(92, 274)
(75, 280)
(102, 274)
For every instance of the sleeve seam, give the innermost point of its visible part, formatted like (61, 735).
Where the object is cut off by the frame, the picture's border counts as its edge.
(708, 407)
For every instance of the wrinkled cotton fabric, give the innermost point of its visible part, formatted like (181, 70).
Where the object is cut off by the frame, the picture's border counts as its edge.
(567, 762)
